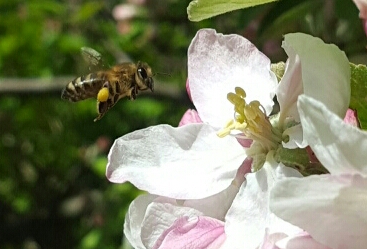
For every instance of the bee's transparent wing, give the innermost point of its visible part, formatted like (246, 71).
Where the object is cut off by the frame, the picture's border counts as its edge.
(93, 58)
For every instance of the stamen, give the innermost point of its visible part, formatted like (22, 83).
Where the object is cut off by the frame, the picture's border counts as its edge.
(239, 91)
(251, 120)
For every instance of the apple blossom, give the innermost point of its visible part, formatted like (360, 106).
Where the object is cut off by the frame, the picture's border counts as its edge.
(189, 165)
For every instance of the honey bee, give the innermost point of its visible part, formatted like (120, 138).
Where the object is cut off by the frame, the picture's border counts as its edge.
(109, 86)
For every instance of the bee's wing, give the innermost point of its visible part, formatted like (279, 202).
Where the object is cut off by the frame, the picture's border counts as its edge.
(93, 58)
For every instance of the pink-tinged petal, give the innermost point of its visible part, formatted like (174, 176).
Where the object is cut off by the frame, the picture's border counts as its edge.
(217, 64)
(362, 7)
(300, 241)
(196, 232)
(330, 208)
(190, 116)
(246, 143)
(188, 162)
(159, 217)
(338, 146)
(351, 118)
(134, 219)
(151, 218)
(249, 215)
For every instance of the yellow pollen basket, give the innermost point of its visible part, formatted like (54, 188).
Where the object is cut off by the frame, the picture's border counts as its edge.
(248, 118)
(103, 94)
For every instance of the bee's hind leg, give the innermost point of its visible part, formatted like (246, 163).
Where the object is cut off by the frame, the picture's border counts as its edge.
(102, 108)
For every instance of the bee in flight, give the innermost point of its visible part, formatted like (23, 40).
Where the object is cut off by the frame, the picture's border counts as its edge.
(109, 86)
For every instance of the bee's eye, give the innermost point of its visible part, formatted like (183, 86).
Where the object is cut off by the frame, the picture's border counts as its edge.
(142, 73)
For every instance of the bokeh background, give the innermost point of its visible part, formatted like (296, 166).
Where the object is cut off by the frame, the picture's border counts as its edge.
(53, 189)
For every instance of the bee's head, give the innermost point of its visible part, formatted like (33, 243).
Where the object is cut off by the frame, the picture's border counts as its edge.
(144, 76)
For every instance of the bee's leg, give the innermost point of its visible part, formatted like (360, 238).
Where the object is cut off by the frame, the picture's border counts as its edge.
(134, 92)
(102, 108)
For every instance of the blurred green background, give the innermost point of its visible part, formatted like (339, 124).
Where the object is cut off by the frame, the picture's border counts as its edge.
(53, 189)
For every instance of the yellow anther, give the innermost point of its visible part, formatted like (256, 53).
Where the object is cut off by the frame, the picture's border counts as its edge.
(250, 118)
(229, 123)
(255, 103)
(227, 129)
(223, 132)
(239, 91)
(103, 94)
(234, 99)
(250, 122)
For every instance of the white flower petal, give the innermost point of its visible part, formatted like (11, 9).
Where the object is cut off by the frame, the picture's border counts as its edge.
(316, 69)
(290, 86)
(295, 137)
(340, 147)
(325, 73)
(215, 206)
(332, 209)
(270, 240)
(134, 219)
(301, 241)
(249, 215)
(217, 64)
(187, 162)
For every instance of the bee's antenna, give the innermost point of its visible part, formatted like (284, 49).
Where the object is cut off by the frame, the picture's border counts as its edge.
(162, 74)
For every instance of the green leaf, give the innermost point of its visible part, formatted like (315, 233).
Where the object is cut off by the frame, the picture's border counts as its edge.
(92, 239)
(99, 166)
(87, 11)
(288, 16)
(358, 100)
(199, 10)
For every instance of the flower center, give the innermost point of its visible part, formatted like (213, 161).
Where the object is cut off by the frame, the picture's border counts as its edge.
(252, 123)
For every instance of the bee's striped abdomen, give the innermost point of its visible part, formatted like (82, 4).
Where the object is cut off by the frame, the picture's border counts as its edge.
(83, 87)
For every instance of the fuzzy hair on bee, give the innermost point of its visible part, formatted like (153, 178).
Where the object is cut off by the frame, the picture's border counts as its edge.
(109, 86)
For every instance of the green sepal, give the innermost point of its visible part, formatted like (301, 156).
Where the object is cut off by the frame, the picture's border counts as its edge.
(358, 99)
(299, 160)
